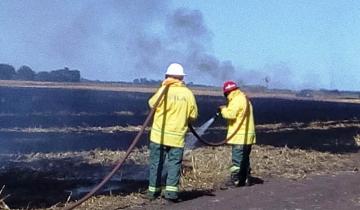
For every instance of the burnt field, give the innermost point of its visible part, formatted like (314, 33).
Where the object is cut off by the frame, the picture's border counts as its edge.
(69, 138)
(46, 120)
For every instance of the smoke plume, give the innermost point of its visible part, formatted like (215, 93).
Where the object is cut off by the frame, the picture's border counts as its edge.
(114, 40)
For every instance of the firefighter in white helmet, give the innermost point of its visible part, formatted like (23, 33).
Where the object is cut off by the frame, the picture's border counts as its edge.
(167, 136)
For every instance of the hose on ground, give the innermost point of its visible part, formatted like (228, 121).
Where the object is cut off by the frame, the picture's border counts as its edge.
(120, 162)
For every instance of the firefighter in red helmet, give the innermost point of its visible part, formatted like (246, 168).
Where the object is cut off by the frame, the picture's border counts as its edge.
(239, 114)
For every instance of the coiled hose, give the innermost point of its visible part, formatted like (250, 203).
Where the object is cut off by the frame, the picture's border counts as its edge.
(120, 162)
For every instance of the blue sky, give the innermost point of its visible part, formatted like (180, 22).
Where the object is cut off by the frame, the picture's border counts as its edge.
(319, 41)
(296, 43)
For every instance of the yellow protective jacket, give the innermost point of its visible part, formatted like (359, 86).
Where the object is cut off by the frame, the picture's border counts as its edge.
(239, 107)
(171, 117)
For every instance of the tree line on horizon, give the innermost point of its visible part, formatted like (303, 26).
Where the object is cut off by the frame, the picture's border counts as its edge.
(8, 72)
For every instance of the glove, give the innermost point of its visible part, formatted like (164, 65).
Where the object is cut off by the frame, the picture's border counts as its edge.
(221, 107)
(218, 112)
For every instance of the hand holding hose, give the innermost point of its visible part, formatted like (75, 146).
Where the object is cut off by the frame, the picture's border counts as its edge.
(218, 112)
(218, 143)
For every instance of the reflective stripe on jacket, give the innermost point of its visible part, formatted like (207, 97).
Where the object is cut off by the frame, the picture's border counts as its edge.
(171, 117)
(234, 112)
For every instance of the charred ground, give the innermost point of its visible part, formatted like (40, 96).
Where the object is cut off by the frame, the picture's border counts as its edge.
(52, 136)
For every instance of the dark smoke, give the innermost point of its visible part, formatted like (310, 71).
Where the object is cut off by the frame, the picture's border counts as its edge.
(113, 40)
(186, 40)
(187, 30)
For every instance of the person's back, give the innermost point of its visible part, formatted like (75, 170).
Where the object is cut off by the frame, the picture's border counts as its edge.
(239, 114)
(176, 108)
(172, 114)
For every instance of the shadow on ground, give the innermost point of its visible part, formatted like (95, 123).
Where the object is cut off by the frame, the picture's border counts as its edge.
(193, 194)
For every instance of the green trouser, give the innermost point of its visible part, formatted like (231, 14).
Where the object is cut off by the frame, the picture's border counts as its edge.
(158, 154)
(240, 163)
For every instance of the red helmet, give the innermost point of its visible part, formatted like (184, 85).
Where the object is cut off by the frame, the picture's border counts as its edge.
(229, 86)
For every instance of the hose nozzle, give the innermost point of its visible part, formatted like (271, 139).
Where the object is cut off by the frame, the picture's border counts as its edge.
(217, 114)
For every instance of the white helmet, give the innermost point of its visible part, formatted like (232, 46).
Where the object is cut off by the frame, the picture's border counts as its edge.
(175, 69)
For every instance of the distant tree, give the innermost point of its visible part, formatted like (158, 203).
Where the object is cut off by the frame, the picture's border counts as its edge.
(62, 75)
(25, 73)
(7, 71)
(43, 76)
(65, 75)
(305, 93)
(143, 81)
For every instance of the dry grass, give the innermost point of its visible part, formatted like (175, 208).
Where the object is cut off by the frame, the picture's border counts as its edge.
(124, 113)
(266, 128)
(80, 86)
(110, 129)
(210, 91)
(357, 139)
(318, 125)
(97, 156)
(3, 205)
(206, 168)
(115, 202)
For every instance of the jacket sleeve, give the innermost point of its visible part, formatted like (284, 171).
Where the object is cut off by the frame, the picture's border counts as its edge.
(234, 108)
(154, 98)
(193, 108)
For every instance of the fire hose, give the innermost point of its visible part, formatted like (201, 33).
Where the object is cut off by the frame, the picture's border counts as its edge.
(137, 138)
(120, 162)
(218, 143)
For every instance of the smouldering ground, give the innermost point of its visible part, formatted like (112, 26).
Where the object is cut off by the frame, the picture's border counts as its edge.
(209, 91)
(205, 169)
(266, 128)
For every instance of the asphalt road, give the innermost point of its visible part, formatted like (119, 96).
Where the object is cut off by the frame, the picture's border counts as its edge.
(340, 191)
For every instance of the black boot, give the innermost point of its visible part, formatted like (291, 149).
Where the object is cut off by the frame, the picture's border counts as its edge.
(235, 179)
(248, 178)
(231, 183)
(228, 185)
